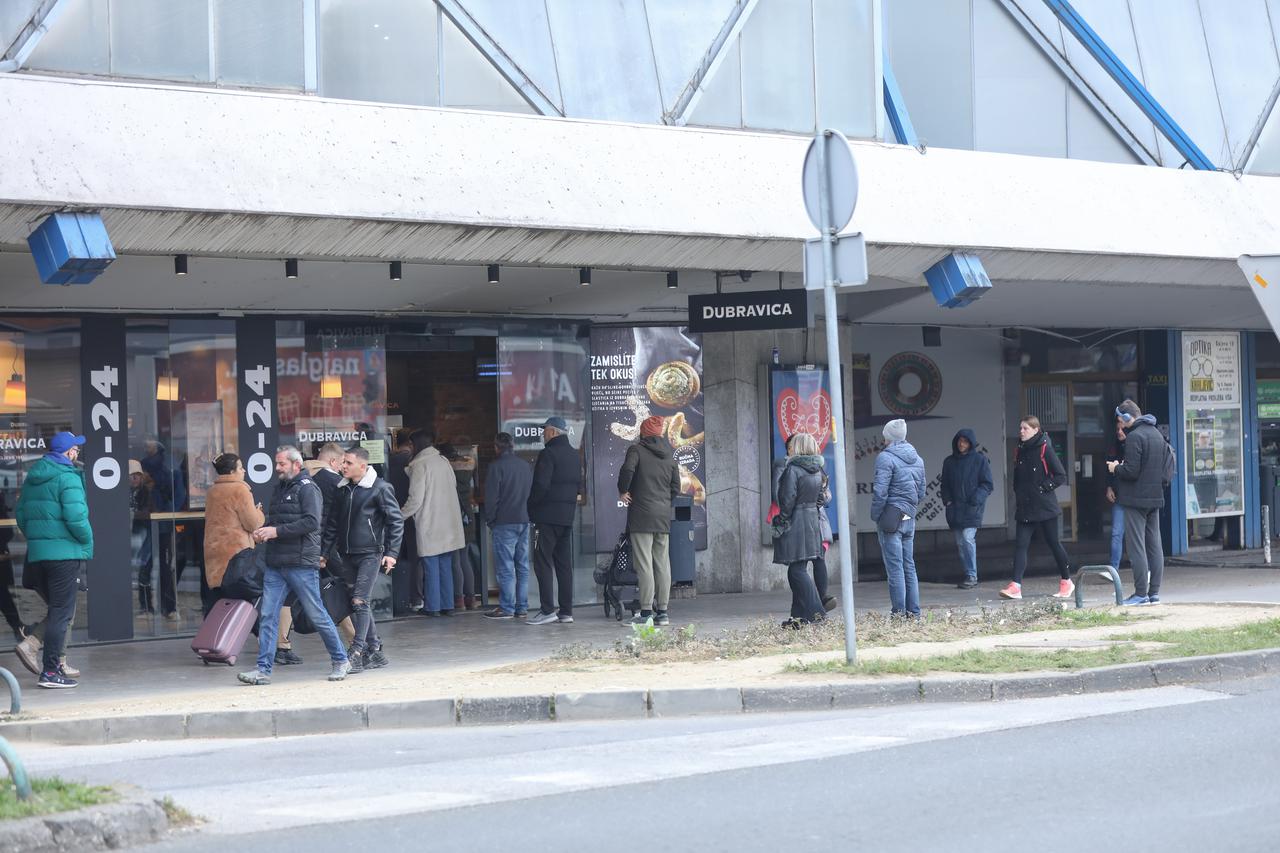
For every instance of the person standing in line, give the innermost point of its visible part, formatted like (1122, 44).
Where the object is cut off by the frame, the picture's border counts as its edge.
(363, 530)
(966, 485)
(230, 516)
(1140, 484)
(1116, 455)
(464, 471)
(463, 582)
(398, 477)
(53, 515)
(506, 511)
(1037, 474)
(820, 574)
(798, 526)
(433, 504)
(553, 502)
(648, 482)
(140, 528)
(292, 535)
(896, 494)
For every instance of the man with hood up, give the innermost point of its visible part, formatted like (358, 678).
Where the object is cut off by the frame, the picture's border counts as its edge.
(647, 483)
(966, 485)
(895, 495)
(1140, 483)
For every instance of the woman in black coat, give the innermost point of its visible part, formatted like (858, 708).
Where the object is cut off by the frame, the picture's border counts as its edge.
(800, 496)
(1037, 473)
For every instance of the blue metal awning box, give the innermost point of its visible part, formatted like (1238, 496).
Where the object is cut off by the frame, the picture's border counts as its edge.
(957, 280)
(71, 248)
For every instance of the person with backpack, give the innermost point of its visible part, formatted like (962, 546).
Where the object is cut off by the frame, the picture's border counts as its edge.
(966, 485)
(1037, 474)
(1140, 481)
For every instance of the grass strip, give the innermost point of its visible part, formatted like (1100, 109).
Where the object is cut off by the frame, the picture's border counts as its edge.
(1192, 642)
(51, 795)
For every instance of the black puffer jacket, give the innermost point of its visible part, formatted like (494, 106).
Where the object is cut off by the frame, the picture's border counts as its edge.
(652, 476)
(296, 506)
(1037, 471)
(329, 482)
(1140, 480)
(554, 496)
(364, 519)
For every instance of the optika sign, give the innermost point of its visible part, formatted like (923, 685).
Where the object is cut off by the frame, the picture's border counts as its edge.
(744, 312)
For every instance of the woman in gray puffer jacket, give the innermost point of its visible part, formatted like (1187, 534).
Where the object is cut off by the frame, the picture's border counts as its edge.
(800, 494)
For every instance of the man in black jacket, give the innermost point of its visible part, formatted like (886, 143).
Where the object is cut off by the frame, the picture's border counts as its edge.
(292, 534)
(365, 528)
(553, 501)
(1140, 491)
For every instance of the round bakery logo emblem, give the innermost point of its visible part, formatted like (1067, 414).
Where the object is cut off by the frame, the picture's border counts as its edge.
(910, 384)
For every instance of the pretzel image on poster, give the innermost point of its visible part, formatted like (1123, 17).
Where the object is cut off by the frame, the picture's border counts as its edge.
(630, 432)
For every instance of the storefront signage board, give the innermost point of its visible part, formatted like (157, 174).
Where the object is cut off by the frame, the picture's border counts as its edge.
(256, 397)
(105, 456)
(636, 372)
(755, 310)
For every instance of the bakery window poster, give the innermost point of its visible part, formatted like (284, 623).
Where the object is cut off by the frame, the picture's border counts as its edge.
(637, 372)
(800, 401)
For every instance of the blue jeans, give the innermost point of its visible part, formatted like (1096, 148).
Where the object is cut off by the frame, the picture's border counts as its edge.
(900, 565)
(1117, 534)
(305, 583)
(511, 565)
(967, 543)
(437, 582)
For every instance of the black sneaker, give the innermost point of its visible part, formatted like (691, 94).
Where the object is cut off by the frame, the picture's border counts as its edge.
(376, 660)
(56, 681)
(660, 618)
(357, 661)
(967, 584)
(287, 657)
(498, 613)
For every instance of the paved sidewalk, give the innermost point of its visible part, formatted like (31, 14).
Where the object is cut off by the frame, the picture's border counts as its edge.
(426, 653)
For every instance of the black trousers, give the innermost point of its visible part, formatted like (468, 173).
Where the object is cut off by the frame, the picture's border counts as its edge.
(57, 586)
(805, 601)
(553, 558)
(366, 568)
(1048, 532)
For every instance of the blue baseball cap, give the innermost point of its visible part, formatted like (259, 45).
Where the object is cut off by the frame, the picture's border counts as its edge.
(64, 441)
(556, 422)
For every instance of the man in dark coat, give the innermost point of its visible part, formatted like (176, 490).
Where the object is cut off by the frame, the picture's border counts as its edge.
(647, 483)
(1140, 490)
(966, 485)
(553, 502)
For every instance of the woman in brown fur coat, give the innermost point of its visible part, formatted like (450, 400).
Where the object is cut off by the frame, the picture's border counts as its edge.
(230, 517)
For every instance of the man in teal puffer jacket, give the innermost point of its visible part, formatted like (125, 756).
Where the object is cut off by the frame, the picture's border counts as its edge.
(54, 517)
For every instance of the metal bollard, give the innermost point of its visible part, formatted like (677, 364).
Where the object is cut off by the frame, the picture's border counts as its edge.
(1266, 534)
(15, 691)
(18, 773)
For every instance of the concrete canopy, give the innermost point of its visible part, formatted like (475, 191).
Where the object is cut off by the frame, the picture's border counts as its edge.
(254, 177)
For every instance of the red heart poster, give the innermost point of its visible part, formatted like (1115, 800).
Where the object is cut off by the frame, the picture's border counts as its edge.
(812, 415)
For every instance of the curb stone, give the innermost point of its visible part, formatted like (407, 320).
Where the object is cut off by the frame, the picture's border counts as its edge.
(107, 827)
(637, 703)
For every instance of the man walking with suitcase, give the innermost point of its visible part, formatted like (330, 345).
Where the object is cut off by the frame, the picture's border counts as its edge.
(292, 534)
(365, 526)
(553, 502)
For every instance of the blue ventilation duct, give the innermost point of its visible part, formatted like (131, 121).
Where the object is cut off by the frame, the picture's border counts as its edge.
(958, 280)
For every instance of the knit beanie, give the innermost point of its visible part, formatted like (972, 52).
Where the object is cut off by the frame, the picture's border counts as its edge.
(895, 430)
(651, 426)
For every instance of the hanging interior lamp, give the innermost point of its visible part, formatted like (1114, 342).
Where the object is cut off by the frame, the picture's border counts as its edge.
(167, 388)
(15, 390)
(331, 387)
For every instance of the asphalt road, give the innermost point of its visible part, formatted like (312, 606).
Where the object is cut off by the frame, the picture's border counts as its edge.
(1167, 769)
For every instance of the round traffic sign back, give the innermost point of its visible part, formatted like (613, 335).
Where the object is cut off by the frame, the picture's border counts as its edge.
(841, 178)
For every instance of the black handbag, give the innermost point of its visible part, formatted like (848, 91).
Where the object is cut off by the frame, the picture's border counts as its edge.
(336, 598)
(243, 577)
(890, 520)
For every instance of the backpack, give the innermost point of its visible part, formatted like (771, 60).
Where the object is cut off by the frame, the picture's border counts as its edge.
(1170, 464)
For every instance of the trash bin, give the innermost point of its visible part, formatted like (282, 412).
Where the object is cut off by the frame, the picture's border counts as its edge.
(682, 568)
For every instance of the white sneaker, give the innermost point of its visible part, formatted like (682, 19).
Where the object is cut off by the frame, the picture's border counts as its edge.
(542, 619)
(565, 620)
(339, 671)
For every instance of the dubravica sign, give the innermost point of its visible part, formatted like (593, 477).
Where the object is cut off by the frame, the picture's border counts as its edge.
(751, 311)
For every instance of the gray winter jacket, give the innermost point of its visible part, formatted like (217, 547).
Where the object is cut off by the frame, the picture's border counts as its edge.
(899, 481)
(1140, 480)
(800, 496)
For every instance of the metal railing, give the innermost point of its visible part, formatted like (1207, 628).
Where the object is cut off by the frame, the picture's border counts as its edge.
(1106, 572)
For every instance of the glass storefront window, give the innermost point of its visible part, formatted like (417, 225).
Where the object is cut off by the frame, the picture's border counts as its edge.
(1213, 400)
(182, 414)
(40, 362)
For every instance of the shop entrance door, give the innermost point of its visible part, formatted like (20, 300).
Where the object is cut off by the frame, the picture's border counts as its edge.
(446, 385)
(1080, 420)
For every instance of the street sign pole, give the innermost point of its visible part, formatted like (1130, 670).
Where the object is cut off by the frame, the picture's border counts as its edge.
(846, 500)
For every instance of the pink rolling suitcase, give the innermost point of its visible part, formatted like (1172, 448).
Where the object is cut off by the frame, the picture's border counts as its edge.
(223, 633)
